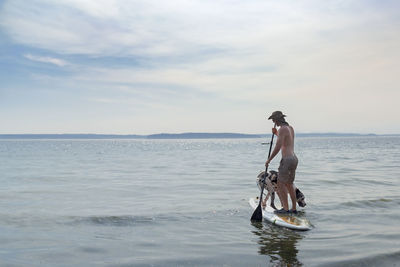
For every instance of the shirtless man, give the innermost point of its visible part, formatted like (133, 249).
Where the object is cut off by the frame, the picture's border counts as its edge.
(288, 164)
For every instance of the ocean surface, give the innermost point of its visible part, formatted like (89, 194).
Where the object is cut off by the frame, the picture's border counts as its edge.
(185, 203)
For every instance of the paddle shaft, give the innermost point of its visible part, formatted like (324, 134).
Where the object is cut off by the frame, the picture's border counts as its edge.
(257, 215)
(266, 167)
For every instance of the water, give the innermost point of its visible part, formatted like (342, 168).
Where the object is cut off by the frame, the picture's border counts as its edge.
(185, 203)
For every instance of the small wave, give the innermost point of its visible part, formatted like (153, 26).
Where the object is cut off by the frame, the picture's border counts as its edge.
(379, 203)
(132, 220)
(124, 220)
(390, 259)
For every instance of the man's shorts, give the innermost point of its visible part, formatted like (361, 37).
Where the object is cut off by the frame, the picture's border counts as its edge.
(287, 169)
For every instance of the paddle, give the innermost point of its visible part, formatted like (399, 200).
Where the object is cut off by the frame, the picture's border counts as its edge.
(257, 214)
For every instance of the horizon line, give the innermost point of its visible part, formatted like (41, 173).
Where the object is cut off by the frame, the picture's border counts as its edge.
(183, 135)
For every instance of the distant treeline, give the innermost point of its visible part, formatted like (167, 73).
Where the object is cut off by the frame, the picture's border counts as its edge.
(70, 136)
(129, 136)
(166, 136)
(201, 135)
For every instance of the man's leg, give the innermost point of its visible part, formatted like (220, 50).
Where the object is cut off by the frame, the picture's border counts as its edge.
(292, 193)
(282, 192)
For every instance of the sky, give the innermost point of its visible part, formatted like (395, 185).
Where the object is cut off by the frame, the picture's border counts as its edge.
(147, 66)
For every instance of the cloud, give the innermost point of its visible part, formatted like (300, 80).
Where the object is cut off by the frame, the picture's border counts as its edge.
(184, 55)
(50, 60)
(160, 28)
(237, 35)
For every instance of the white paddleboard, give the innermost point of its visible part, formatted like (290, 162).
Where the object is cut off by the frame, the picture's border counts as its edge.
(288, 221)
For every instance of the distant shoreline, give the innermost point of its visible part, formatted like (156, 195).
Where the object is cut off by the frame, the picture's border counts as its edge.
(174, 136)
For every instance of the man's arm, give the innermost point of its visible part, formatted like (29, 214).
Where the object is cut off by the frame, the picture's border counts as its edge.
(281, 135)
(277, 148)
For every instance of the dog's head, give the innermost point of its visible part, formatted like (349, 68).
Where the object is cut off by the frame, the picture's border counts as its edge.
(301, 200)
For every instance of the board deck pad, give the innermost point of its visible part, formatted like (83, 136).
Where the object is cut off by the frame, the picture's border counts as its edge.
(289, 221)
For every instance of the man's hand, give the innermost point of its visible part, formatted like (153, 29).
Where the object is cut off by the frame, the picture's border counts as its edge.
(267, 163)
(275, 131)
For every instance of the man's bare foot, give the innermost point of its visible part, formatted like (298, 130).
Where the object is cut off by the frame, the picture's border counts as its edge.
(264, 204)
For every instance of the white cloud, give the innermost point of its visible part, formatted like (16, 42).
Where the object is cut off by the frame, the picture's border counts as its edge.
(300, 56)
(50, 60)
(158, 28)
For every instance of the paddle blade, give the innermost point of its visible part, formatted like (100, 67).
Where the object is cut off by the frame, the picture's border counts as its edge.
(257, 214)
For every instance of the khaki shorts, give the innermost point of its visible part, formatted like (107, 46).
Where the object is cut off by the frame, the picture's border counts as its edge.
(287, 169)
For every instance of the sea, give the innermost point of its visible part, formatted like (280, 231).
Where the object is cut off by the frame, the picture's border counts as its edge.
(184, 202)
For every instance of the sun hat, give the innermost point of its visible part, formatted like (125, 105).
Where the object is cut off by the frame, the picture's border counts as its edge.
(277, 115)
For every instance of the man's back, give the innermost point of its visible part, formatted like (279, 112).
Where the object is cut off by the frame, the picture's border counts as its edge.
(286, 133)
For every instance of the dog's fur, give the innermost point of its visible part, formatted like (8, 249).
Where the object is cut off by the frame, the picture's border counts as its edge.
(271, 184)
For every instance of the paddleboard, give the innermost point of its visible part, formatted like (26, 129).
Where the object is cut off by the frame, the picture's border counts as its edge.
(289, 221)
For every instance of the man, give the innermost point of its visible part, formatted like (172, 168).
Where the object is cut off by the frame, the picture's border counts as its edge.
(288, 164)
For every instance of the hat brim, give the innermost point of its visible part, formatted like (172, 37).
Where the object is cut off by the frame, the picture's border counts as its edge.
(276, 117)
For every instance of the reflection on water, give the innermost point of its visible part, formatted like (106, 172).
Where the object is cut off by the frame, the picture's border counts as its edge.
(280, 244)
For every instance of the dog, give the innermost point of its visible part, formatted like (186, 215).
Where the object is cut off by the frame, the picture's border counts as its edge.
(271, 184)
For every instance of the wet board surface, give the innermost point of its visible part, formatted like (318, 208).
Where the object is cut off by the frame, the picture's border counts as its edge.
(288, 221)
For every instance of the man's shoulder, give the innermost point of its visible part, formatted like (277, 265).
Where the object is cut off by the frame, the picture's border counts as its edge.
(285, 128)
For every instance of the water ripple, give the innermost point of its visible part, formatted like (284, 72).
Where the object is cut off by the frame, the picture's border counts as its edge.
(389, 259)
(123, 220)
(378, 203)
